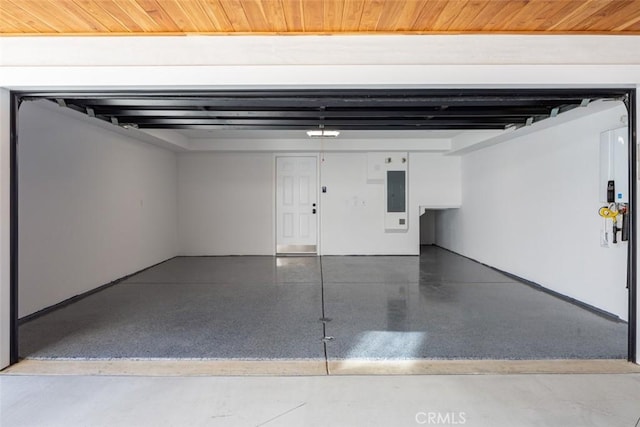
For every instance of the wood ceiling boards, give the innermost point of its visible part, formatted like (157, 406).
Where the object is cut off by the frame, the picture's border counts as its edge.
(134, 17)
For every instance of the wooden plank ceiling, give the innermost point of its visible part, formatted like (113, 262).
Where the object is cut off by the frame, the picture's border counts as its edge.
(128, 17)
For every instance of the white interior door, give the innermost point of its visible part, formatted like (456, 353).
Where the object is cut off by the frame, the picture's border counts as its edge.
(296, 205)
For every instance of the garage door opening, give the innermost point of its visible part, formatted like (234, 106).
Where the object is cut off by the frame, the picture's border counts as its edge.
(146, 233)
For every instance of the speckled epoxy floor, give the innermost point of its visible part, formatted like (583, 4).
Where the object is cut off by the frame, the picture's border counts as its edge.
(438, 305)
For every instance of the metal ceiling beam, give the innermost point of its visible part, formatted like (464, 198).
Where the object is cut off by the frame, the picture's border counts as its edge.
(417, 113)
(307, 103)
(422, 126)
(372, 109)
(553, 93)
(307, 122)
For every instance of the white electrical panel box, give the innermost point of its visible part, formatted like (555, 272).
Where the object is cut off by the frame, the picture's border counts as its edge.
(391, 170)
(614, 165)
(395, 168)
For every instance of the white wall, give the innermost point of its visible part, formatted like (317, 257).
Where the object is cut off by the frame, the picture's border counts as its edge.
(530, 207)
(226, 203)
(436, 183)
(291, 143)
(435, 180)
(337, 60)
(438, 49)
(94, 206)
(352, 210)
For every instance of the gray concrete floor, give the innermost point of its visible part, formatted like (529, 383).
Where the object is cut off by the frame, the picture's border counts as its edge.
(470, 400)
(438, 305)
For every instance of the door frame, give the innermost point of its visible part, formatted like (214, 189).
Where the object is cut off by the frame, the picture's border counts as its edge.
(15, 98)
(274, 195)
